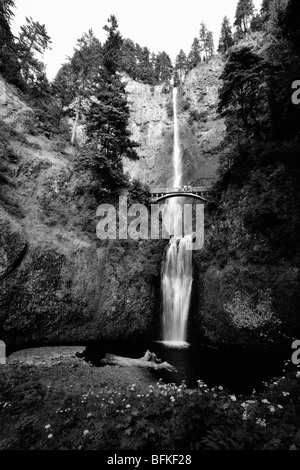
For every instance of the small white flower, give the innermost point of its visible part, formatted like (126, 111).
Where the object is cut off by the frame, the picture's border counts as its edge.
(285, 394)
(172, 399)
(128, 406)
(50, 436)
(261, 422)
(265, 401)
(280, 407)
(89, 415)
(86, 432)
(48, 426)
(272, 409)
(233, 397)
(220, 387)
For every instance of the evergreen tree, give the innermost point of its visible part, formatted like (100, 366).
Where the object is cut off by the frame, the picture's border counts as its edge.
(147, 75)
(257, 23)
(226, 37)
(203, 37)
(242, 95)
(33, 40)
(181, 64)
(85, 65)
(107, 119)
(194, 57)
(206, 41)
(163, 67)
(291, 23)
(129, 59)
(244, 14)
(112, 49)
(9, 66)
(265, 9)
(209, 45)
(63, 88)
(152, 63)
(144, 67)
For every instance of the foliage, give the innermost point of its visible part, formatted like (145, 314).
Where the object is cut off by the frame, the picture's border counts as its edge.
(226, 37)
(32, 43)
(7, 155)
(181, 64)
(244, 90)
(142, 65)
(138, 193)
(194, 57)
(9, 66)
(243, 15)
(245, 312)
(291, 24)
(206, 41)
(163, 68)
(39, 413)
(256, 23)
(196, 116)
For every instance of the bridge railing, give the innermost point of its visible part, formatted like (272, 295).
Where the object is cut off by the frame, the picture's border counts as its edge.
(182, 189)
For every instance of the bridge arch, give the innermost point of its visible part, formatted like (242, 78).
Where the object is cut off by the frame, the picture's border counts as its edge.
(180, 194)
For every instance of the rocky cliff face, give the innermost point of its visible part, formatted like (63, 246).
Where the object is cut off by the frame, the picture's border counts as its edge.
(58, 281)
(201, 130)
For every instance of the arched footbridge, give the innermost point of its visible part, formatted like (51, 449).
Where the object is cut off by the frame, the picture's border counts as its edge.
(161, 194)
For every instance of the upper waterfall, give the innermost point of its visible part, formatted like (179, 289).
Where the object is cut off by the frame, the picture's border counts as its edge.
(177, 275)
(176, 152)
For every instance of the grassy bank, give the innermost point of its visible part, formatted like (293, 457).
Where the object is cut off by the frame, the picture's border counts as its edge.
(75, 406)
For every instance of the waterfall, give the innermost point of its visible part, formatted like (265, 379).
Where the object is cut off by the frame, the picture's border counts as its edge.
(177, 272)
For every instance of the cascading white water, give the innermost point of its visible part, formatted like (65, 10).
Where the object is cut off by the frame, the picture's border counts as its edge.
(177, 271)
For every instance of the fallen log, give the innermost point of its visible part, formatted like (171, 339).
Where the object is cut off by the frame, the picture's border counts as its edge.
(149, 360)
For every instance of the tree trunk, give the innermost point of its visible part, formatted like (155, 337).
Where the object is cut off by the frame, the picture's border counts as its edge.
(149, 361)
(73, 138)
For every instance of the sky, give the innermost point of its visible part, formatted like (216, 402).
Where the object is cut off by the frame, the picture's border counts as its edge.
(161, 25)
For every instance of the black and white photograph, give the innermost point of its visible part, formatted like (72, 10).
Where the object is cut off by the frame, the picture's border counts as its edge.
(149, 228)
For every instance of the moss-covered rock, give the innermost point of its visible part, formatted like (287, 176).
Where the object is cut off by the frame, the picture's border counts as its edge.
(12, 244)
(250, 306)
(74, 291)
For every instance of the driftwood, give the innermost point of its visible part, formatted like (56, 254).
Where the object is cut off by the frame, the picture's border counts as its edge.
(149, 360)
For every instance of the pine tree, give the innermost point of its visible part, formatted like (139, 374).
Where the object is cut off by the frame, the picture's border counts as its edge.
(202, 37)
(85, 65)
(291, 24)
(112, 49)
(107, 118)
(163, 67)
(146, 67)
(143, 65)
(9, 66)
(209, 45)
(265, 9)
(194, 57)
(128, 58)
(181, 64)
(226, 38)
(63, 88)
(33, 41)
(152, 63)
(257, 23)
(243, 15)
